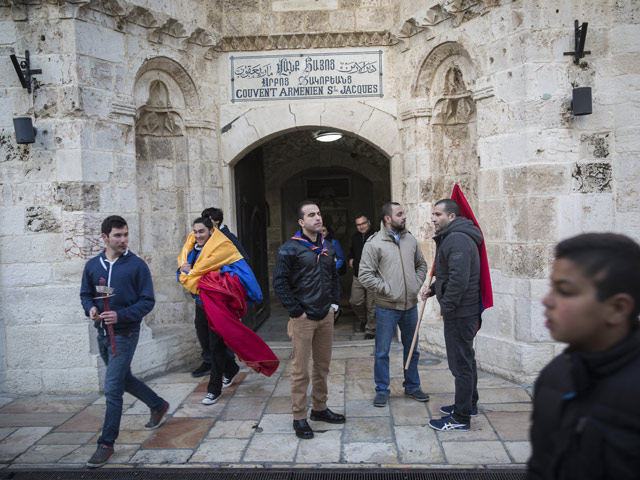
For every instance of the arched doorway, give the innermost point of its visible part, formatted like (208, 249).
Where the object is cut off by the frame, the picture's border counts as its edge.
(348, 177)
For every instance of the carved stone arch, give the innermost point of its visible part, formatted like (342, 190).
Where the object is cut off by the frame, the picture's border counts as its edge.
(183, 92)
(451, 52)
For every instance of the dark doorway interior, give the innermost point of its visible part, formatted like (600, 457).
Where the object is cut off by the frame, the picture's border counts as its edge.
(346, 178)
(252, 228)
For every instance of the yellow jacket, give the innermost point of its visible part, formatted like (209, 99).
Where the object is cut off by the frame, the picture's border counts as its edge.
(216, 253)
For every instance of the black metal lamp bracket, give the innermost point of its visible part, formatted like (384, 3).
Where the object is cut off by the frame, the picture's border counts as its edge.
(24, 71)
(580, 37)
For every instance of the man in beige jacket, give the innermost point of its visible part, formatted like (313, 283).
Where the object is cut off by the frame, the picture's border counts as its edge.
(393, 266)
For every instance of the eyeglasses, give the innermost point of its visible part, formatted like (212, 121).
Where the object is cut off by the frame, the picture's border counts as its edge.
(362, 224)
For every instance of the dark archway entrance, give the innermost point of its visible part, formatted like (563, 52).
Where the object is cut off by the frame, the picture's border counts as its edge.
(346, 178)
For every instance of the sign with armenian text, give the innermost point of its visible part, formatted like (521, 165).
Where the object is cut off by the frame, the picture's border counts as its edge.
(306, 76)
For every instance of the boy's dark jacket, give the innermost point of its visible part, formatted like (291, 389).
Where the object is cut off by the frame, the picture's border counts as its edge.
(586, 415)
(457, 269)
(133, 297)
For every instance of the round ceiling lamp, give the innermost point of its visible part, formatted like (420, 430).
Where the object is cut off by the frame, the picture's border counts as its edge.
(328, 136)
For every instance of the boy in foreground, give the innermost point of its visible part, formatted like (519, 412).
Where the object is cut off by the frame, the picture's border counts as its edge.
(586, 415)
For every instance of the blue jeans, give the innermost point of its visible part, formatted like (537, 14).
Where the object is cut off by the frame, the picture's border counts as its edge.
(386, 321)
(117, 380)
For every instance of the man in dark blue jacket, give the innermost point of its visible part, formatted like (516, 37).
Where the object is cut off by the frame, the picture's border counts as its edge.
(307, 282)
(133, 298)
(457, 288)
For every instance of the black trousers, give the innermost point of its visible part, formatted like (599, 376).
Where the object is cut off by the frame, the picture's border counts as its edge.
(215, 352)
(458, 336)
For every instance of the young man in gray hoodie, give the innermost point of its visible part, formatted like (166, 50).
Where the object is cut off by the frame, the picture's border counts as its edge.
(457, 288)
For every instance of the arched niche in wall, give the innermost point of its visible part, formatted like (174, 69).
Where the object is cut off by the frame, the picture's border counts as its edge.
(445, 82)
(164, 96)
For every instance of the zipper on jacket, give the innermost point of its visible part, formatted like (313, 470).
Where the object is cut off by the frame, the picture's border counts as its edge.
(404, 276)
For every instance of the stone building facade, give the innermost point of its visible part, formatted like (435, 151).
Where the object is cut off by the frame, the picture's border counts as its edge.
(137, 114)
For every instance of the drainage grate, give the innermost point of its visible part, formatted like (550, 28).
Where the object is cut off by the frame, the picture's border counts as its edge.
(252, 474)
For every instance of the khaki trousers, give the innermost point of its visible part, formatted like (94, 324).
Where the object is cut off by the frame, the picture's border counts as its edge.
(363, 303)
(310, 337)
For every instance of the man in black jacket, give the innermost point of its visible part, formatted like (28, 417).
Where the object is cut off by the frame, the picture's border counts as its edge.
(362, 300)
(457, 288)
(307, 283)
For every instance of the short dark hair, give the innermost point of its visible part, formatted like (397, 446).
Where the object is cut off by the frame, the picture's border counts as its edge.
(206, 221)
(387, 210)
(611, 260)
(329, 231)
(213, 213)
(449, 206)
(358, 215)
(114, 221)
(301, 205)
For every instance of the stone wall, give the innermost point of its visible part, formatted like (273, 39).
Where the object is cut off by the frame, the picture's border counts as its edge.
(133, 94)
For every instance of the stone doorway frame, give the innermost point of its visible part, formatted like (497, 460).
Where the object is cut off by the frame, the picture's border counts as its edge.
(249, 129)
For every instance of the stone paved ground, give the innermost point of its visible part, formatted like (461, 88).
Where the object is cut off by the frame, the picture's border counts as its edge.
(251, 424)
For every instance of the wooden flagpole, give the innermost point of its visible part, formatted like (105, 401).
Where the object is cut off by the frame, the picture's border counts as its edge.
(415, 334)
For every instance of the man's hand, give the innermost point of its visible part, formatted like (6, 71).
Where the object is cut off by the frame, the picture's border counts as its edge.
(427, 293)
(109, 317)
(351, 262)
(93, 314)
(185, 267)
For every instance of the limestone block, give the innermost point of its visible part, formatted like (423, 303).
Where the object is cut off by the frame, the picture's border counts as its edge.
(69, 272)
(29, 194)
(307, 113)
(628, 224)
(373, 19)
(110, 137)
(6, 114)
(498, 321)
(342, 20)
(24, 382)
(627, 140)
(525, 223)
(501, 283)
(488, 152)
(624, 37)
(7, 32)
(409, 165)
(18, 275)
(489, 184)
(529, 325)
(628, 197)
(510, 149)
(623, 64)
(48, 346)
(44, 305)
(99, 42)
(251, 23)
(525, 260)
(69, 381)
(317, 21)
(492, 215)
(96, 166)
(375, 123)
(535, 179)
(93, 101)
(172, 313)
(12, 221)
(617, 89)
(535, 357)
(279, 115)
(45, 246)
(165, 176)
(291, 22)
(124, 170)
(69, 165)
(237, 140)
(494, 254)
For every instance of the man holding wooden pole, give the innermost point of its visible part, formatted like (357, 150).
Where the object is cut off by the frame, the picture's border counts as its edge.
(393, 266)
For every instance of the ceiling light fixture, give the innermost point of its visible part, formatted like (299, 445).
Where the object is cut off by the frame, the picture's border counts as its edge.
(328, 136)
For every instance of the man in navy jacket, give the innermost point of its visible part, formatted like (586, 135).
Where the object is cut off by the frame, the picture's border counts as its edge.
(133, 298)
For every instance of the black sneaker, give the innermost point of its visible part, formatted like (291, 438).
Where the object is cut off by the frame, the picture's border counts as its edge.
(202, 370)
(448, 410)
(226, 382)
(100, 457)
(158, 417)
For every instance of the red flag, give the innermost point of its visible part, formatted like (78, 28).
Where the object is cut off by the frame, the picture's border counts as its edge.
(486, 294)
(224, 299)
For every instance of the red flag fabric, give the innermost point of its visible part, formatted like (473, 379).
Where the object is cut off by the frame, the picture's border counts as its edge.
(225, 301)
(486, 293)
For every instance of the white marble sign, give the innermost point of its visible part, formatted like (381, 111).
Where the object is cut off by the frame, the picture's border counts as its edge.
(302, 76)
